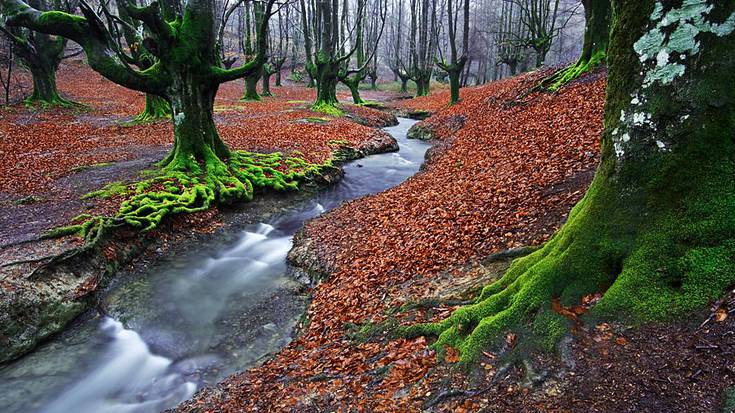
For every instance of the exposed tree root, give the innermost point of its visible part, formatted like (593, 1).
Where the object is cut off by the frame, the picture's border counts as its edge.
(56, 102)
(649, 265)
(185, 186)
(156, 108)
(573, 72)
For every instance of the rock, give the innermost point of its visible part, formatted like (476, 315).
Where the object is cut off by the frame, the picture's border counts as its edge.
(422, 131)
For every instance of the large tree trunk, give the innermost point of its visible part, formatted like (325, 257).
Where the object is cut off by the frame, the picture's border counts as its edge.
(404, 85)
(422, 84)
(454, 85)
(354, 85)
(597, 28)
(655, 233)
(195, 135)
(598, 14)
(44, 86)
(155, 108)
(251, 86)
(326, 84)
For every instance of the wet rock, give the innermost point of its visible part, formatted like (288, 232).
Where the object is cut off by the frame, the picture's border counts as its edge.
(422, 131)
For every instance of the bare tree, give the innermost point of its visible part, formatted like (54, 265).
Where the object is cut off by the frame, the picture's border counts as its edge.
(456, 64)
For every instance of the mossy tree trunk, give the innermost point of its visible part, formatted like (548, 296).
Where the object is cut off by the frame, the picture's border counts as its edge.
(455, 66)
(44, 85)
(251, 86)
(454, 71)
(655, 233)
(598, 15)
(196, 140)
(326, 82)
(41, 54)
(354, 85)
(423, 80)
(404, 84)
(266, 84)
(155, 108)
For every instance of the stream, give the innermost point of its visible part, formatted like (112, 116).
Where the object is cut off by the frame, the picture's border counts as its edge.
(193, 320)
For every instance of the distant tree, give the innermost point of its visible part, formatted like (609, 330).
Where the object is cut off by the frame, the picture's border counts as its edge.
(367, 38)
(456, 64)
(6, 67)
(598, 15)
(510, 52)
(254, 16)
(156, 107)
(423, 38)
(41, 54)
(396, 41)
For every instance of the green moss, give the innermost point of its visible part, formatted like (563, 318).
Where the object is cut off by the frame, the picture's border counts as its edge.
(664, 263)
(728, 400)
(328, 109)
(185, 186)
(373, 104)
(110, 190)
(55, 17)
(156, 108)
(573, 72)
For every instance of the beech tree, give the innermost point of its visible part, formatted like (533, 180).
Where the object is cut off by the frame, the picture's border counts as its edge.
(187, 73)
(368, 32)
(594, 50)
(456, 64)
(156, 107)
(395, 61)
(254, 45)
(655, 233)
(424, 33)
(41, 53)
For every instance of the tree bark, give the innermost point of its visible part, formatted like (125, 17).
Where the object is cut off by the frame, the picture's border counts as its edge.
(266, 88)
(251, 87)
(44, 86)
(155, 108)
(597, 15)
(326, 84)
(195, 135)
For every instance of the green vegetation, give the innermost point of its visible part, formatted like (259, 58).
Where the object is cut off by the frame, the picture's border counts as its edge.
(564, 76)
(328, 109)
(171, 190)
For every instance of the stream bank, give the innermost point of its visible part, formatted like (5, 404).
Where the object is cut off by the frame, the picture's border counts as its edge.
(191, 311)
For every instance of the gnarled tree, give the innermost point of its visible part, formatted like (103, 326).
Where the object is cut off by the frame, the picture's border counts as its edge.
(41, 53)
(655, 233)
(456, 64)
(186, 73)
(424, 33)
(368, 32)
(156, 107)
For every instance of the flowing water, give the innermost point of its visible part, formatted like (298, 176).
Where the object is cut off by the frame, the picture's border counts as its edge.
(194, 320)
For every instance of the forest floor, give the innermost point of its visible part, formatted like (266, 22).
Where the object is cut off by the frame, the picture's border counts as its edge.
(504, 171)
